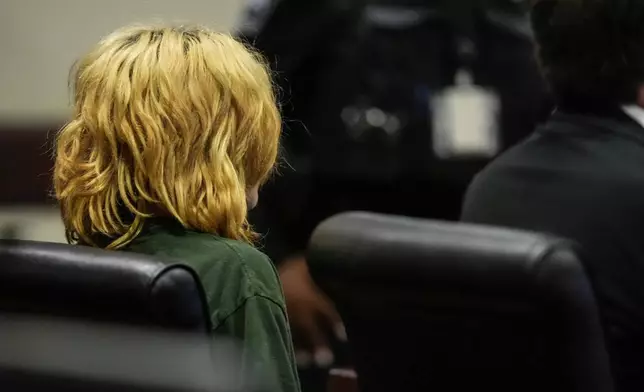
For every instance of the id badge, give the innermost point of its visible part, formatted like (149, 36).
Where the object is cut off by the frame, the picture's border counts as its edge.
(465, 121)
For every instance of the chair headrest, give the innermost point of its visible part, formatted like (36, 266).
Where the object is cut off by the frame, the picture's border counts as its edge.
(395, 248)
(111, 286)
(455, 296)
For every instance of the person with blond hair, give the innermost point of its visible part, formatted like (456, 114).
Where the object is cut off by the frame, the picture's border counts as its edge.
(173, 132)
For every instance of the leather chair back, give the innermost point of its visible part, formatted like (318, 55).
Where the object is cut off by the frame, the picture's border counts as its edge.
(49, 279)
(436, 306)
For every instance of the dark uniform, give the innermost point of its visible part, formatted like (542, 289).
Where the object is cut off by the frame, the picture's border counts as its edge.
(334, 57)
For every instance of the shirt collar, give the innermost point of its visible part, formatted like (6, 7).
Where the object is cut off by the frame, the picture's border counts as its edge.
(635, 112)
(626, 121)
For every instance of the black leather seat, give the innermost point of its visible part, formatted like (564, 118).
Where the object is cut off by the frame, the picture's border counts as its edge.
(105, 286)
(435, 306)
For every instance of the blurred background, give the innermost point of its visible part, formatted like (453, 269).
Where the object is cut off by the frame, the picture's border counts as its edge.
(360, 83)
(357, 82)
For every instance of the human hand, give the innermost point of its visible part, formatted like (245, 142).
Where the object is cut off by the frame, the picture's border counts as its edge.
(310, 313)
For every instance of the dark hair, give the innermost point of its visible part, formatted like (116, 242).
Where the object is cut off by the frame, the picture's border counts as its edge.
(591, 50)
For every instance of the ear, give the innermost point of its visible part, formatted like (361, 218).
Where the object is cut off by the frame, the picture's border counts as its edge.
(252, 197)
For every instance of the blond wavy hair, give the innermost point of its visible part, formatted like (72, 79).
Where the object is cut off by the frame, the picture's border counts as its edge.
(176, 121)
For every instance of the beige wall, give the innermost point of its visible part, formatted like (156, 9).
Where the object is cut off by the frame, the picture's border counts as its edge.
(34, 223)
(40, 39)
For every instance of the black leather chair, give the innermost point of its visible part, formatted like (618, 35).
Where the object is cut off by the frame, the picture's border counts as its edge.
(435, 306)
(57, 355)
(104, 286)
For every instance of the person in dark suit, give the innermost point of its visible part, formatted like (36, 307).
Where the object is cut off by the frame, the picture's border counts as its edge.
(581, 174)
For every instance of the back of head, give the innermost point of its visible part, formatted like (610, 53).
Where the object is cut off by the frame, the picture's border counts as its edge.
(177, 121)
(591, 50)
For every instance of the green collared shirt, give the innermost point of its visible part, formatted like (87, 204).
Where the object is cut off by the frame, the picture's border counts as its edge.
(244, 295)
